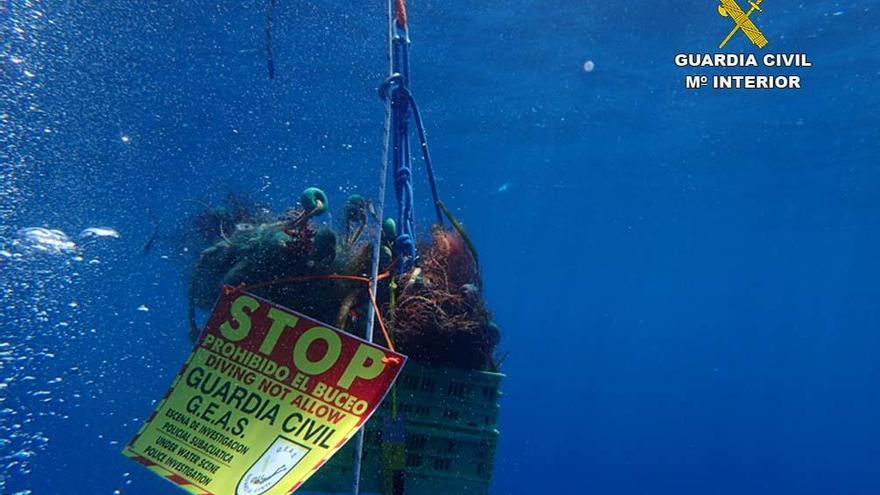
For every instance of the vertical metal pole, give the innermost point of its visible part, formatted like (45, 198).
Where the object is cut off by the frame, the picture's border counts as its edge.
(377, 247)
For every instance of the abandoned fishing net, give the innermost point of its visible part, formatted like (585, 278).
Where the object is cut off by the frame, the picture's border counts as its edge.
(435, 312)
(439, 316)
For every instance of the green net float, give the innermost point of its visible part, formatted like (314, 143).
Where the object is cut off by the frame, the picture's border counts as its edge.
(385, 256)
(314, 201)
(389, 229)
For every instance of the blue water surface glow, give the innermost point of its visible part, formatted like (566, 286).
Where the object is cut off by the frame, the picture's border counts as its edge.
(686, 281)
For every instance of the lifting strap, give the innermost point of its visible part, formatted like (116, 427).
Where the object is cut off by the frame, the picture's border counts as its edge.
(395, 89)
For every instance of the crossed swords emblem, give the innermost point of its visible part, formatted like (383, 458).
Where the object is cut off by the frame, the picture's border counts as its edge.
(742, 20)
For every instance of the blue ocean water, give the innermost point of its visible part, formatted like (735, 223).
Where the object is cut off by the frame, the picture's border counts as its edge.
(686, 281)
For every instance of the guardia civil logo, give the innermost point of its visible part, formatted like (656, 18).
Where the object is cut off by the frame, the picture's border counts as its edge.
(748, 69)
(742, 22)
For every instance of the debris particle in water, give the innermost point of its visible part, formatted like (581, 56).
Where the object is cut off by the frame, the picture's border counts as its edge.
(143, 307)
(98, 232)
(589, 66)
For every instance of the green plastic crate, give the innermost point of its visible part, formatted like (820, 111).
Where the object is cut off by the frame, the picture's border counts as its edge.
(451, 432)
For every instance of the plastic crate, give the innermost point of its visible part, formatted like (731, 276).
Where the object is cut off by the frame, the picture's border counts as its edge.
(450, 418)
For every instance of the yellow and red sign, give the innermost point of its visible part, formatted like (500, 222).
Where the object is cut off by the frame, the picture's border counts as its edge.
(266, 397)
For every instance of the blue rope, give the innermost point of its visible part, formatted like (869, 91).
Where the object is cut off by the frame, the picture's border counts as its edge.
(405, 244)
(403, 106)
(426, 155)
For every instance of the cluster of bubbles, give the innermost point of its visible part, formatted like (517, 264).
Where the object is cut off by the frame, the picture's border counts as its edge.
(46, 272)
(39, 266)
(54, 241)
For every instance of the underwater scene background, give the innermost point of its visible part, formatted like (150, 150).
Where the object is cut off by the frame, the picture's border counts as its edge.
(686, 282)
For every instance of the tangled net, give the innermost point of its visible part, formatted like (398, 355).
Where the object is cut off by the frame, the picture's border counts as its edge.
(436, 311)
(439, 316)
(262, 248)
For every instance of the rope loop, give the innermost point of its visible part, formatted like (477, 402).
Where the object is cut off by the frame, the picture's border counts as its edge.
(402, 176)
(391, 82)
(405, 248)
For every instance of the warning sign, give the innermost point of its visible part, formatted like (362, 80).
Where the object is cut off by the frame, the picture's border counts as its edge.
(267, 396)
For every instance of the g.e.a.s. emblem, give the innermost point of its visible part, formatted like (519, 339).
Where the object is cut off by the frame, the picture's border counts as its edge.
(278, 460)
